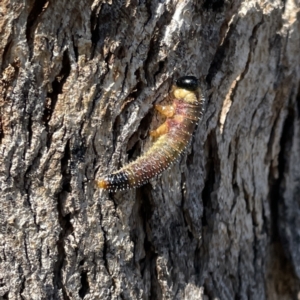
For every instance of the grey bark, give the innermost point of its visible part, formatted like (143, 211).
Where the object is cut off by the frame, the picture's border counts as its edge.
(78, 84)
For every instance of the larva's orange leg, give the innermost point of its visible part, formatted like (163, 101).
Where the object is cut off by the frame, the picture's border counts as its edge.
(166, 110)
(102, 184)
(162, 129)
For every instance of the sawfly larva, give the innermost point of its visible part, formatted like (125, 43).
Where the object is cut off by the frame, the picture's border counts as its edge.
(172, 136)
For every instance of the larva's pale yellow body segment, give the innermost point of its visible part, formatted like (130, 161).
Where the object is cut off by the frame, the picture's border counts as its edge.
(172, 136)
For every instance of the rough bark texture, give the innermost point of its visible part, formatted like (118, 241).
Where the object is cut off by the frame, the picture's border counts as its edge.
(78, 84)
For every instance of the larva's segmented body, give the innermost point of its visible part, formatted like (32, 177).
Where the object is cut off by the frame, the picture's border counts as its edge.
(173, 137)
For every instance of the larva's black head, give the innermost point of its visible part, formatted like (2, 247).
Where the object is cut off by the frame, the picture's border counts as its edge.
(188, 82)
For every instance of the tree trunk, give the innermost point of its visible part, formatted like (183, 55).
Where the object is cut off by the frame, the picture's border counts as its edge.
(78, 83)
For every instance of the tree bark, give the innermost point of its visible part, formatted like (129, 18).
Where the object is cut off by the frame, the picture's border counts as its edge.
(78, 83)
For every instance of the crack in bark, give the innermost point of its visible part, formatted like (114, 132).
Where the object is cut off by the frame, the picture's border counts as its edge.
(100, 25)
(27, 189)
(95, 36)
(25, 248)
(134, 94)
(252, 43)
(61, 255)
(298, 102)
(57, 88)
(214, 5)
(276, 184)
(22, 287)
(105, 246)
(85, 287)
(6, 53)
(283, 270)
(64, 221)
(150, 62)
(148, 8)
(5, 296)
(235, 84)
(75, 48)
(36, 12)
(29, 130)
(218, 59)
(146, 209)
(1, 128)
(212, 177)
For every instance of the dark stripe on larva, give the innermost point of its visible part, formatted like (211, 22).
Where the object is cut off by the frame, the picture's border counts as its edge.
(188, 104)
